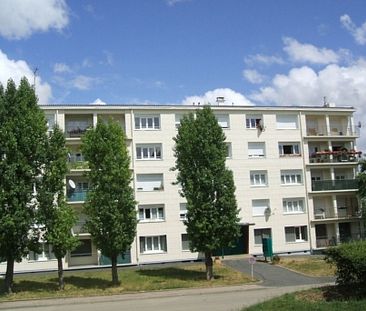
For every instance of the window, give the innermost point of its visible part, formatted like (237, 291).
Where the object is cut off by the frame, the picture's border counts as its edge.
(148, 152)
(258, 178)
(256, 150)
(223, 120)
(147, 122)
(253, 121)
(151, 212)
(50, 122)
(46, 253)
(185, 242)
(286, 122)
(259, 234)
(259, 207)
(149, 182)
(293, 205)
(153, 244)
(289, 149)
(296, 234)
(183, 211)
(178, 118)
(228, 151)
(291, 177)
(84, 249)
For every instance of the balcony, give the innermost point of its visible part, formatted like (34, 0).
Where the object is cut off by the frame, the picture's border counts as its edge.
(331, 185)
(79, 228)
(326, 241)
(77, 162)
(335, 156)
(76, 195)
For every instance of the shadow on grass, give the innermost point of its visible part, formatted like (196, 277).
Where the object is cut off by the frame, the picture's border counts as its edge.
(344, 293)
(176, 273)
(86, 282)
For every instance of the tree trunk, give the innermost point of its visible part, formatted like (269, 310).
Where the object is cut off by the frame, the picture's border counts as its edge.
(209, 266)
(61, 283)
(9, 276)
(115, 280)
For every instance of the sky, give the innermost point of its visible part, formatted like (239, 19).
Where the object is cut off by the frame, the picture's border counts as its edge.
(262, 52)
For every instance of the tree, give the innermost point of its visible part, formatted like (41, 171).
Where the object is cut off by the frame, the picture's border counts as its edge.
(208, 186)
(22, 145)
(110, 205)
(55, 215)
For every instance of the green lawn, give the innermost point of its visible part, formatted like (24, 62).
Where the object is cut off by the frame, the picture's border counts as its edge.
(309, 265)
(92, 282)
(328, 298)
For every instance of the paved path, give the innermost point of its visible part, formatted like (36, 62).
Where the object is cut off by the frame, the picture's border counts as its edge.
(272, 275)
(276, 281)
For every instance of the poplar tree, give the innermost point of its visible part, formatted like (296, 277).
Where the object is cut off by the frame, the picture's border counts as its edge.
(208, 186)
(22, 145)
(55, 216)
(110, 205)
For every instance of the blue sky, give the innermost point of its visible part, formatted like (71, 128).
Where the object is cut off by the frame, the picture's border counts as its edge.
(182, 51)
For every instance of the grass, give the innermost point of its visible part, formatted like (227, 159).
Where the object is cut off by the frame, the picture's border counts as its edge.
(308, 265)
(329, 298)
(98, 282)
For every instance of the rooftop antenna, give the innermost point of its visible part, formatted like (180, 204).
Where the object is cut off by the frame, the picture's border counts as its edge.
(34, 77)
(325, 102)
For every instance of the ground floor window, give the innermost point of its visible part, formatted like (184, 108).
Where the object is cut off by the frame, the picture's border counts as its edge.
(153, 244)
(45, 253)
(185, 242)
(84, 249)
(259, 234)
(296, 234)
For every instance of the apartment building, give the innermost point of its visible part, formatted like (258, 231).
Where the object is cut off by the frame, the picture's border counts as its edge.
(294, 170)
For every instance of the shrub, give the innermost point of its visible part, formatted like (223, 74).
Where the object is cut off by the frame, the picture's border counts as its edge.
(276, 259)
(350, 260)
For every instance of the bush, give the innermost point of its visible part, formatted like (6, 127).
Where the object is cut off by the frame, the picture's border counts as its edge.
(350, 260)
(276, 259)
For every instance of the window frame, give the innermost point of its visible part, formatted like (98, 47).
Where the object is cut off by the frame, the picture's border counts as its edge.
(147, 122)
(300, 234)
(183, 211)
(262, 235)
(295, 149)
(291, 175)
(84, 254)
(263, 207)
(284, 121)
(260, 173)
(160, 247)
(253, 121)
(256, 155)
(288, 206)
(185, 242)
(153, 152)
(150, 210)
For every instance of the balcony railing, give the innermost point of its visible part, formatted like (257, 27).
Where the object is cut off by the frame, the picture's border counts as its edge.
(329, 185)
(335, 156)
(326, 241)
(79, 228)
(76, 195)
(343, 212)
(334, 131)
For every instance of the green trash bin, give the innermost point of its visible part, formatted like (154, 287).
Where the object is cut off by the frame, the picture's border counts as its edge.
(267, 248)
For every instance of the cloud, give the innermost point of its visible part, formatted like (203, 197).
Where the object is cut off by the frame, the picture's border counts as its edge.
(83, 83)
(358, 33)
(175, 2)
(18, 69)
(98, 101)
(253, 76)
(231, 98)
(308, 53)
(61, 68)
(263, 59)
(21, 18)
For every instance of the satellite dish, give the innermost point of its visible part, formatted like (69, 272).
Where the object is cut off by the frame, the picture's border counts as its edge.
(72, 184)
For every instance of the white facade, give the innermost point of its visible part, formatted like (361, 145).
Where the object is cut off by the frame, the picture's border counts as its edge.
(294, 170)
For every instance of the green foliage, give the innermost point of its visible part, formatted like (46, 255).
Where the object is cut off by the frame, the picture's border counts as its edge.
(22, 146)
(110, 205)
(350, 261)
(212, 213)
(57, 217)
(361, 177)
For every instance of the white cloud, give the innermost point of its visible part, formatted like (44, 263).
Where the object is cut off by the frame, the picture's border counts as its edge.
(358, 33)
(18, 69)
(302, 52)
(61, 68)
(174, 2)
(263, 59)
(83, 83)
(21, 18)
(98, 101)
(231, 98)
(253, 76)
